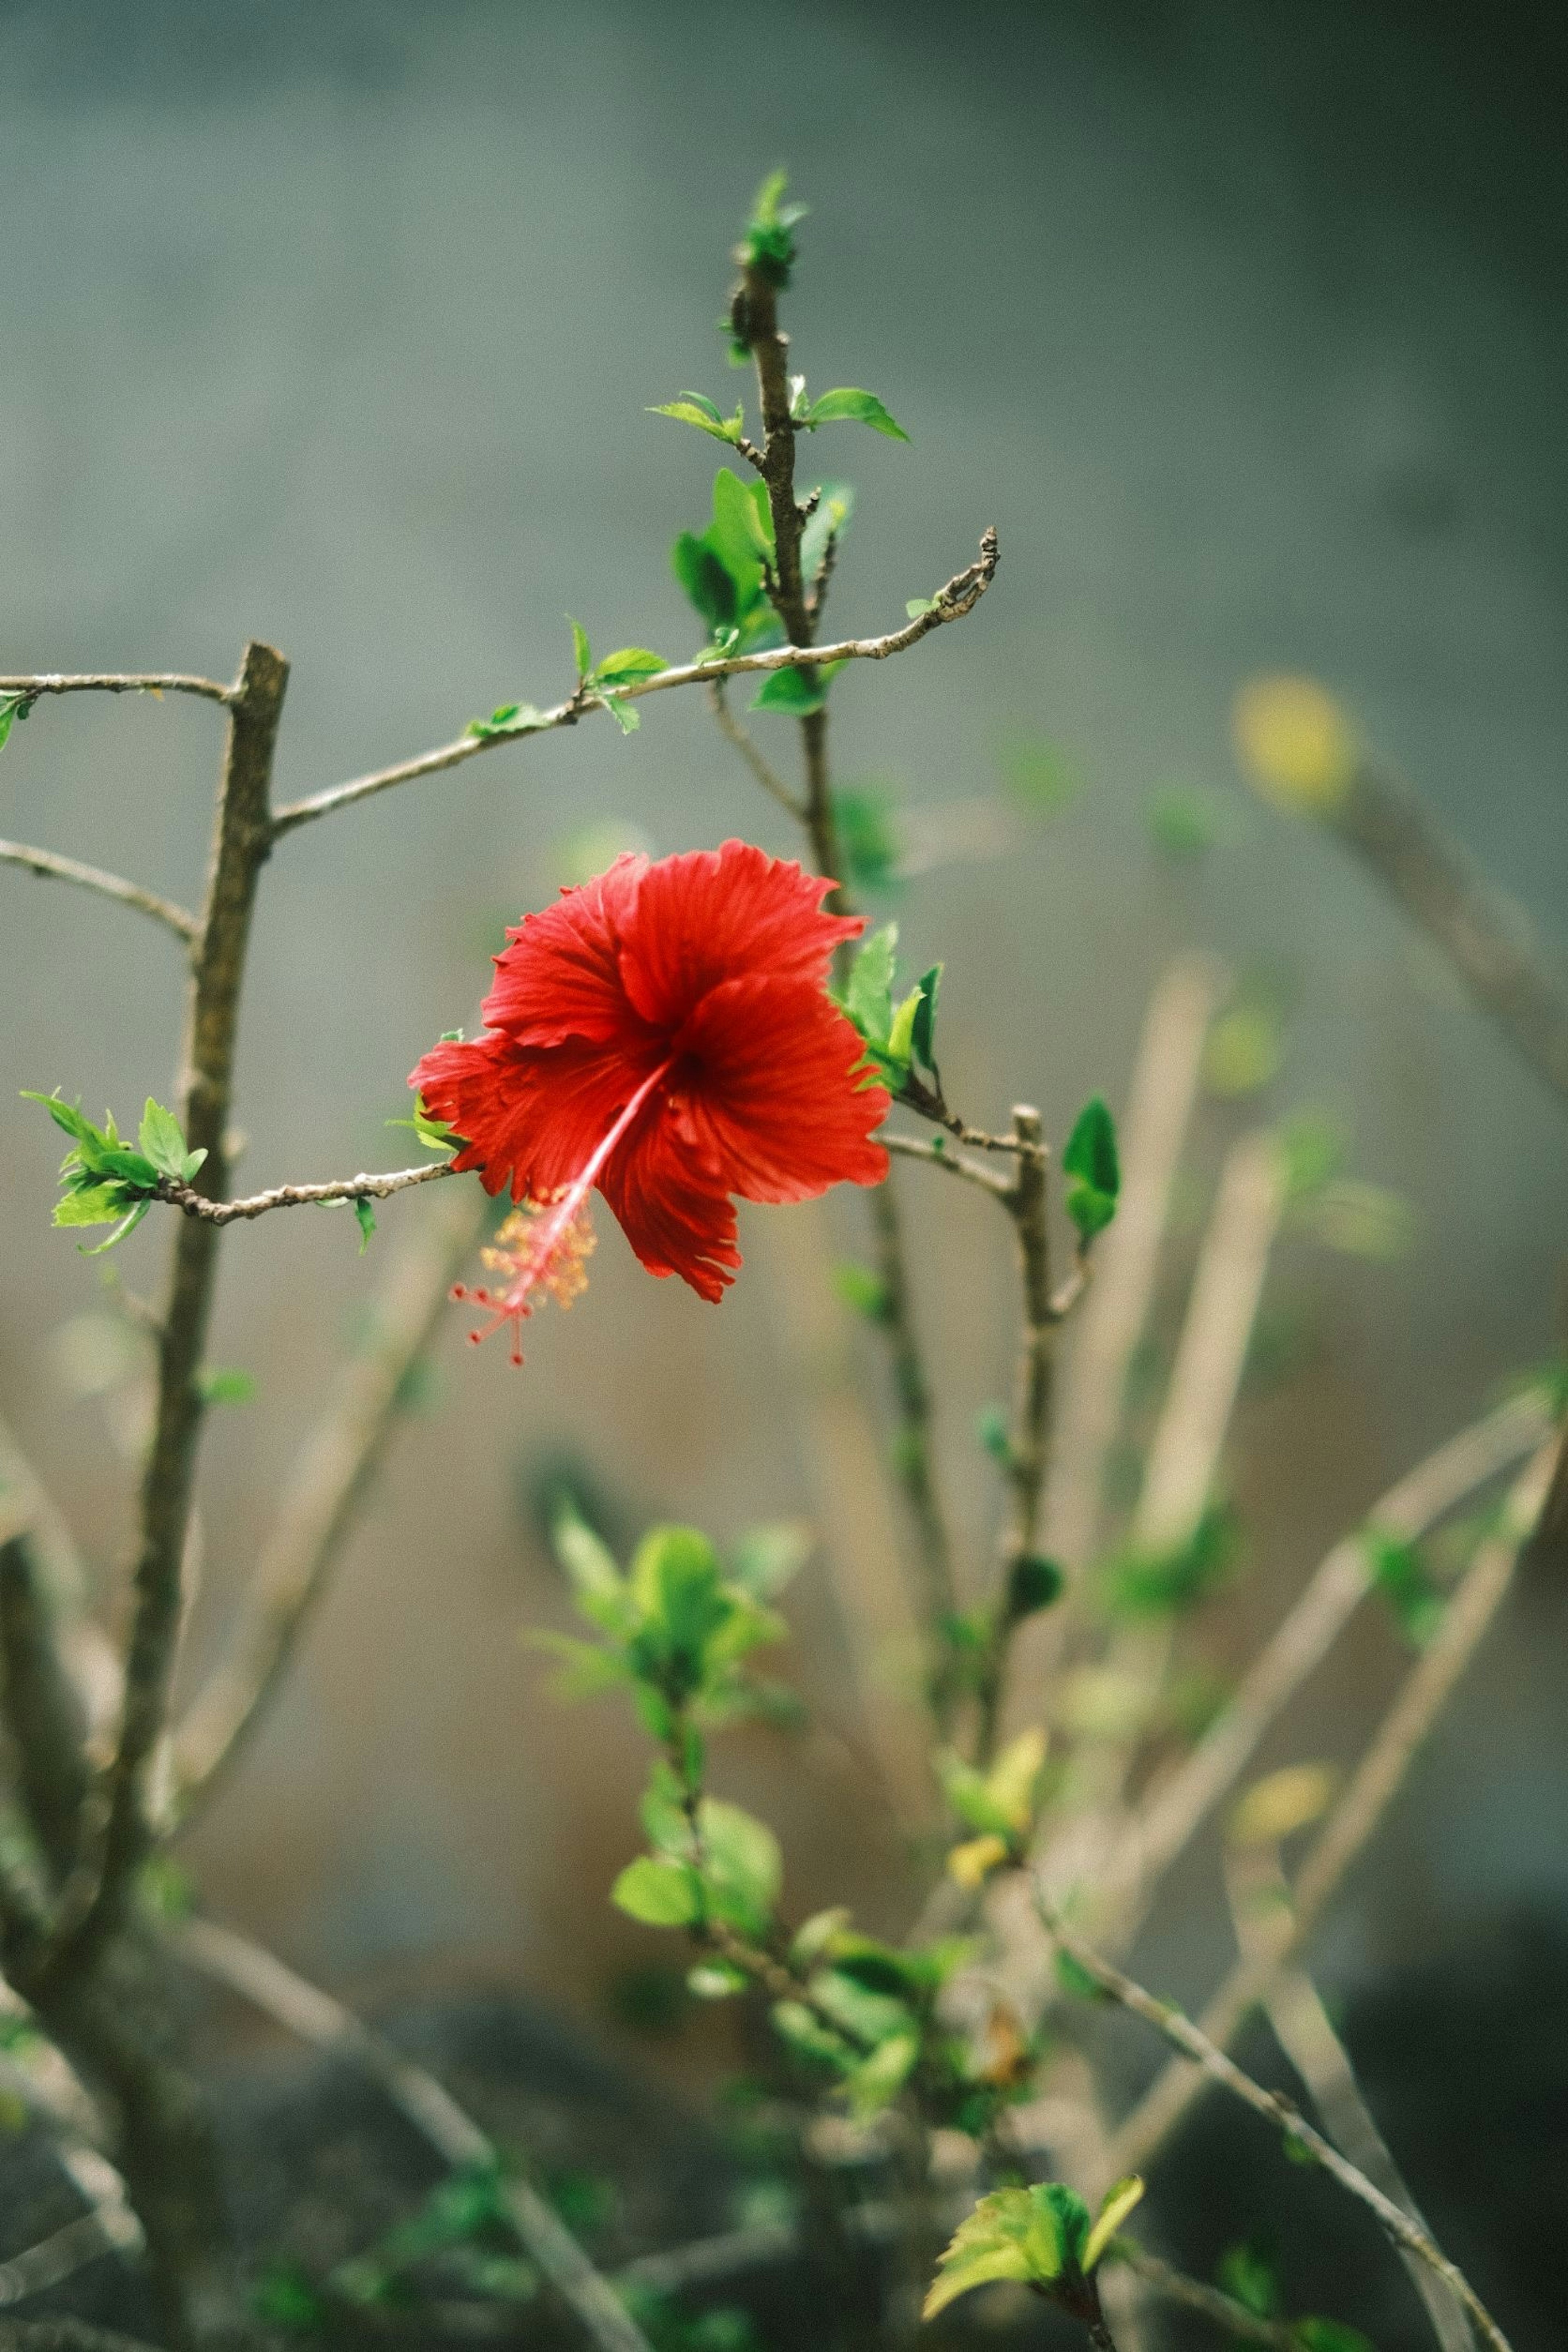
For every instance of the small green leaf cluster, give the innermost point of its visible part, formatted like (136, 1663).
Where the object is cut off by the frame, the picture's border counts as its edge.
(1170, 1582)
(104, 1182)
(767, 249)
(897, 1036)
(607, 680)
(460, 2239)
(694, 408)
(722, 569)
(511, 718)
(678, 1626)
(1043, 2237)
(867, 2013)
(1093, 1168)
(998, 1805)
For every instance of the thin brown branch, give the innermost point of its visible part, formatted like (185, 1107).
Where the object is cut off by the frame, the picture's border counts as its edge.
(1364, 1799)
(915, 1146)
(242, 843)
(745, 743)
(340, 1460)
(1195, 2047)
(195, 1203)
(153, 682)
(50, 865)
(313, 2016)
(960, 596)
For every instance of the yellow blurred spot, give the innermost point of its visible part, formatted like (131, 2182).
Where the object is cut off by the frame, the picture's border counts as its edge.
(1295, 744)
(1284, 1801)
(971, 1864)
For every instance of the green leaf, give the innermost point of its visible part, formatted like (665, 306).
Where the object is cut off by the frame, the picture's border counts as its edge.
(584, 1669)
(365, 1217)
(797, 691)
(1184, 822)
(863, 1289)
(769, 246)
(1362, 1220)
(7, 713)
(95, 1205)
(632, 661)
(226, 1385)
(1074, 1978)
(769, 1557)
(1330, 2336)
(511, 718)
(692, 408)
(877, 2082)
(161, 1141)
(1033, 1583)
(596, 1583)
(917, 607)
(582, 649)
(65, 1114)
(869, 838)
(868, 996)
(1406, 1583)
(707, 580)
(1013, 2233)
(743, 520)
(991, 1428)
(1040, 775)
(1090, 1159)
(849, 405)
(742, 1868)
(1248, 2274)
(716, 1980)
(1115, 2206)
(126, 1225)
(901, 1036)
(627, 720)
(659, 1894)
(1166, 1583)
(805, 2032)
(923, 1039)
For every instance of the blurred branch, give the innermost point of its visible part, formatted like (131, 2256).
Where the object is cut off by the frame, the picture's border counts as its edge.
(1159, 1832)
(736, 735)
(293, 1196)
(1482, 930)
(1260, 1908)
(1182, 1465)
(1195, 2047)
(48, 864)
(340, 1459)
(1158, 1109)
(313, 2016)
(1363, 1801)
(42, 1706)
(959, 597)
(153, 682)
(66, 2336)
(845, 1463)
(912, 1438)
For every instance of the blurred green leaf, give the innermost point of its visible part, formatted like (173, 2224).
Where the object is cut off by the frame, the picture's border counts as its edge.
(659, 1894)
(797, 692)
(582, 649)
(365, 1217)
(511, 718)
(862, 1289)
(227, 1386)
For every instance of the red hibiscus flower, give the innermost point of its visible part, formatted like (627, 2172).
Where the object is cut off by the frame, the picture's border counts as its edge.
(665, 1034)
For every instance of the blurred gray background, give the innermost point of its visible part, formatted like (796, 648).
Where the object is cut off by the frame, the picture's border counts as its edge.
(337, 325)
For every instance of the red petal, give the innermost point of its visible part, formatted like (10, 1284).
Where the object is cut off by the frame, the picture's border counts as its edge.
(725, 913)
(561, 975)
(534, 1117)
(674, 1212)
(771, 1104)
